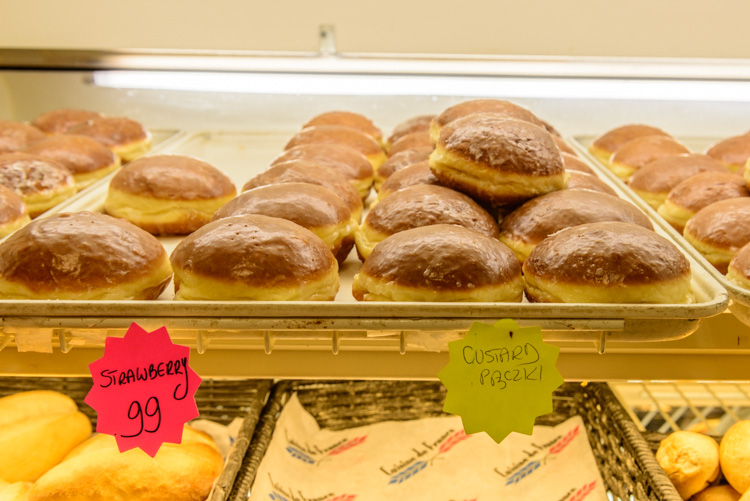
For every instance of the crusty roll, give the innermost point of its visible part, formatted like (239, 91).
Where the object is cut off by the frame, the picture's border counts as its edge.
(498, 161)
(610, 262)
(440, 263)
(735, 456)
(690, 460)
(495, 106)
(25, 405)
(400, 161)
(418, 173)
(184, 472)
(698, 191)
(13, 213)
(127, 138)
(413, 141)
(41, 183)
(83, 256)
(655, 180)
(36, 444)
(305, 171)
(564, 146)
(719, 230)
(733, 152)
(717, 493)
(581, 181)
(168, 194)
(605, 145)
(414, 124)
(347, 119)
(739, 267)
(311, 206)
(254, 257)
(351, 163)
(339, 134)
(640, 151)
(543, 216)
(572, 162)
(61, 121)
(15, 136)
(86, 158)
(421, 205)
(18, 491)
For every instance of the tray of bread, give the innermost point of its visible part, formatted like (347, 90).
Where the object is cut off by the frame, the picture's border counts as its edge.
(472, 218)
(696, 188)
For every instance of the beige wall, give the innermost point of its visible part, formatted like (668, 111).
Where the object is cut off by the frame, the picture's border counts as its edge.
(544, 27)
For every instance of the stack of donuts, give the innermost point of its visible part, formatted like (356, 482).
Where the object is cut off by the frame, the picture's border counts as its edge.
(704, 196)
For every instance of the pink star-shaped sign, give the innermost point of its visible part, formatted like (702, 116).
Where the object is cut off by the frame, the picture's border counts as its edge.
(144, 389)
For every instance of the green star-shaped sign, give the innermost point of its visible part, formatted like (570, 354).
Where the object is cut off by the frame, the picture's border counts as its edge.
(500, 378)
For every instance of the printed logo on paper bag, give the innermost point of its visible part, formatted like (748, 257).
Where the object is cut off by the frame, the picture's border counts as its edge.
(315, 455)
(282, 493)
(422, 456)
(144, 390)
(500, 378)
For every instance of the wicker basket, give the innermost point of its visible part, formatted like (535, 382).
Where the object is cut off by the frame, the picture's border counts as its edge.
(625, 460)
(218, 400)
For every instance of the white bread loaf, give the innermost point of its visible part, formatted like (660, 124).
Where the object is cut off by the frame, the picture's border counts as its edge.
(33, 446)
(32, 404)
(735, 456)
(717, 493)
(18, 491)
(691, 461)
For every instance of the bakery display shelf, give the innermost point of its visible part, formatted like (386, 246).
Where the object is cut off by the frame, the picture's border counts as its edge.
(221, 401)
(265, 324)
(626, 464)
(739, 296)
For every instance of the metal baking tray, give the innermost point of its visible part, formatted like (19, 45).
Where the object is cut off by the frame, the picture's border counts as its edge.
(740, 297)
(259, 323)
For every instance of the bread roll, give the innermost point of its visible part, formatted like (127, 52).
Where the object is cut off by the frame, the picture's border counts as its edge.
(347, 119)
(15, 136)
(610, 262)
(339, 134)
(13, 213)
(399, 161)
(254, 257)
(61, 121)
(30, 404)
(33, 446)
(127, 138)
(439, 263)
(581, 181)
(605, 145)
(168, 194)
(739, 267)
(413, 141)
(735, 456)
(690, 460)
(498, 161)
(83, 256)
(640, 151)
(719, 230)
(564, 147)
(414, 124)
(18, 491)
(41, 183)
(733, 152)
(418, 173)
(572, 162)
(717, 493)
(697, 192)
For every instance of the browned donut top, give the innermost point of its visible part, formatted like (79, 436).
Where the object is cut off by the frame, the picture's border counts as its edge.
(403, 160)
(348, 119)
(563, 146)
(308, 205)
(663, 174)
(16, 136)
(706, 188)
(61, 121)
(542, 216)
(574, 163)
(741, 261)
(78, 252)
(336, 134)
(28, 174)
(608, 254)
(415, 124)
(418, 173)
(731, 151)
(302, 171)
(412, 141)
(503, 144)
(112, 131)
(11, 205)
(351, 163)
(256, 250)
(582, 181)
(424, 205)
(78, 154)
(646, 149)
(443, 257)
(724, 224)
(173, 177)
(506, 108)
(612, 140)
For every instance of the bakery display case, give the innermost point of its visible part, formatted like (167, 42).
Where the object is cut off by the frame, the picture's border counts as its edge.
(237, 110)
